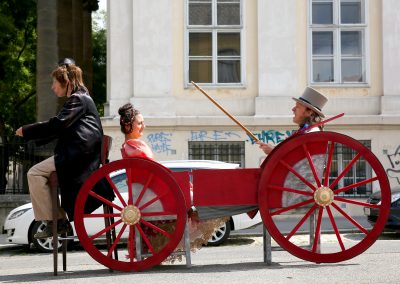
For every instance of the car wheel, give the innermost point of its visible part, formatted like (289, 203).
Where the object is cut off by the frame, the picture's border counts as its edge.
(220, 235)
(44, 245)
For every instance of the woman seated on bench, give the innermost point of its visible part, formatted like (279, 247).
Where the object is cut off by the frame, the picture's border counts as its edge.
(132, 126)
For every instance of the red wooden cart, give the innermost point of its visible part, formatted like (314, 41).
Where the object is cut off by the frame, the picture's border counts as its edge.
(300, 177)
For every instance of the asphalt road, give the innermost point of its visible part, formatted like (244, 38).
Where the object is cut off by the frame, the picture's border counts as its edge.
(240, 260)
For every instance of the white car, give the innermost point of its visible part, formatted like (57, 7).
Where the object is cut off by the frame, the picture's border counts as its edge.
(21, 226)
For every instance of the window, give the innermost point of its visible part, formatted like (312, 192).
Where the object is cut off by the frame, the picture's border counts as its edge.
(338, 32)
(214, 30)
(359, 172)
(231, 152)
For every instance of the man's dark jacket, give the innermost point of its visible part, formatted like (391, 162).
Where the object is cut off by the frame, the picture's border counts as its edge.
(78, 150)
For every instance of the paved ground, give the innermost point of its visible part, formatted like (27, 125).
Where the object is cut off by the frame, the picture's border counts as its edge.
(239, 260)
(284, 226)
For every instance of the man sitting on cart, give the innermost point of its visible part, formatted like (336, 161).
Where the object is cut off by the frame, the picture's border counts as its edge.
(307, 112)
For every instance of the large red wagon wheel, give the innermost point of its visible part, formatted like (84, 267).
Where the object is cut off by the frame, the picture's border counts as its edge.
(302, 177)
(149, 215)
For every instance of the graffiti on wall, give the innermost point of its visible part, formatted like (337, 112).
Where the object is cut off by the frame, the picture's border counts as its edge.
(394, 160)
(267, 136)
(160, 142)
(271, 136)
(215, 135)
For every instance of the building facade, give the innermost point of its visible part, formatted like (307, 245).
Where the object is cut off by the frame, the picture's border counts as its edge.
(252, 57)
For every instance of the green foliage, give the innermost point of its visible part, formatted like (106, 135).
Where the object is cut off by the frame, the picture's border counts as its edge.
(17, 64)
(18, 49)
(99, 43)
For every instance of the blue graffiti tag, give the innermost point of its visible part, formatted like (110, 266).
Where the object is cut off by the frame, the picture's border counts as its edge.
(271, 136)
(199, 135)
(266, 136)
(160, 142)
(215, 135)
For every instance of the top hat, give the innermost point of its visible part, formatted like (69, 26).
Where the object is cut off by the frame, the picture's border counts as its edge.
(66, 61)
(313, 99)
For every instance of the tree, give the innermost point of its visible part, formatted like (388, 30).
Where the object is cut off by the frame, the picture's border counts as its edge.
(99, 43)
(17, 71)
(17, 64)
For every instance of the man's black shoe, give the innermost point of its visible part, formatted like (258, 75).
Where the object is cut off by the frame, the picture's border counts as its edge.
(62, 227)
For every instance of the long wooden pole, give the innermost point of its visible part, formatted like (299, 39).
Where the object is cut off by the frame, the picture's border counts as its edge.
(227, 113)
(321, 122)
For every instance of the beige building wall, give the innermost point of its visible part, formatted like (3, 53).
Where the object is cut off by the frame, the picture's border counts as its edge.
(146, 47)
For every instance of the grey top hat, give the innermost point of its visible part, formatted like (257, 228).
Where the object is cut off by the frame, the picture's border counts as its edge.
(313, 99)
(66, 61)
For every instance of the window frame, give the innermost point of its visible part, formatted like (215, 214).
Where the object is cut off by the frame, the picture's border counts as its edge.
(336, 28)
(341, 163)
(214, 29)
(216, 154)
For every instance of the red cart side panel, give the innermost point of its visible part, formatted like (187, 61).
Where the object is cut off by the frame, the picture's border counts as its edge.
(225, 187)
(183, 179)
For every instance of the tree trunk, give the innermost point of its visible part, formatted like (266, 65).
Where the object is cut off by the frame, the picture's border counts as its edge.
(47, 57)
(64, 30)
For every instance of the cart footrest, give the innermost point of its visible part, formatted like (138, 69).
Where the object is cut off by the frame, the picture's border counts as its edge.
(212, 212)
(69, 238)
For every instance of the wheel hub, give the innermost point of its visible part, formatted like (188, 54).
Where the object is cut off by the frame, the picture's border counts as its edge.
(323, 196)
(130, 215)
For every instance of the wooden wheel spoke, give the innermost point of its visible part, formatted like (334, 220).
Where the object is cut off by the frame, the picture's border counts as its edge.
(144, 189)
(116, 191)
(299, 176)
(329, 163)
(145, 238)
(154, 227)
(348, 167)
(131, 244)
(335, 228)
(364, 204)
(297, 205)
(281, 188)
(354, 222)
(317, 234)
(108, 228)
(311, 164)
(116, 241)
(128, 172)
(104, 200)
(301, 222)
(354, 185)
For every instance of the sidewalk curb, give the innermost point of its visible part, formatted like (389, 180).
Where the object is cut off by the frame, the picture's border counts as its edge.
(4, 244)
